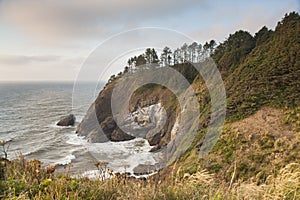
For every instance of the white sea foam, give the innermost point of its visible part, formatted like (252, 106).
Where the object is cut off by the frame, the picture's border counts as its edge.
(53, 125)
(66, 160)
(74, 139)
(96, 174)
(123, 156)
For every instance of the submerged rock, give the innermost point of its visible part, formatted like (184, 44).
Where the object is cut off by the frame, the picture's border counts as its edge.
(145, 169)
(119, 135)
(67, 121)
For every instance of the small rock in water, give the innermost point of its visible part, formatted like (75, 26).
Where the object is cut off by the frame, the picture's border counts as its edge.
(67, 121)
(145, 169)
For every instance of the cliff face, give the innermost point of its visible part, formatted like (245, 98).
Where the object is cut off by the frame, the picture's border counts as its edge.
(98, 124)
(149, 107)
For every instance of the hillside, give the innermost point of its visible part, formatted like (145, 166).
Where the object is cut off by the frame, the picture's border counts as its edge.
(256, 156)
(262, 88)
(260, 70)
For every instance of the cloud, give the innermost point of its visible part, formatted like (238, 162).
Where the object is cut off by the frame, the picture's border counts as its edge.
(38, 67)
(72, 28)
(24, 60)
(55, 19)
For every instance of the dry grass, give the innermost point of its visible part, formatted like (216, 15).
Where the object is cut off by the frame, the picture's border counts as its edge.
(286, 185)
(27, 180)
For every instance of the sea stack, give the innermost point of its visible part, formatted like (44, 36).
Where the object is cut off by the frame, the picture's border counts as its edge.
(67, 121)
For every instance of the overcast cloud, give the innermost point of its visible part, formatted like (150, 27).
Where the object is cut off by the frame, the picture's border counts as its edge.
(52, 38)
(54, 19)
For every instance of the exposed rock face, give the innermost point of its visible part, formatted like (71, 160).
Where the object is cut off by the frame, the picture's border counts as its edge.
(146, 122)
(98, 124)
(149, 111)
(67, 121)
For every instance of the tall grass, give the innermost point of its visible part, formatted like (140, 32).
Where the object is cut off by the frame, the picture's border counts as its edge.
(21, 179)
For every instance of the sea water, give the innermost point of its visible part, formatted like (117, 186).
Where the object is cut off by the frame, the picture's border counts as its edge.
(28, 115)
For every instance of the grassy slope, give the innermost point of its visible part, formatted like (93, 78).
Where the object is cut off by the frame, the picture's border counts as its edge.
(26, 180)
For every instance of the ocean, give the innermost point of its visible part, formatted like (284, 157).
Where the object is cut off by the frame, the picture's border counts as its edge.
(29, 112)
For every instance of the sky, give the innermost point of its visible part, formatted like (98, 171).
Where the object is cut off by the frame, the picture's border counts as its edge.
(50, 40)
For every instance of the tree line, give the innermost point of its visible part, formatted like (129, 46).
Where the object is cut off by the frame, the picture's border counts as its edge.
(187, 53)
